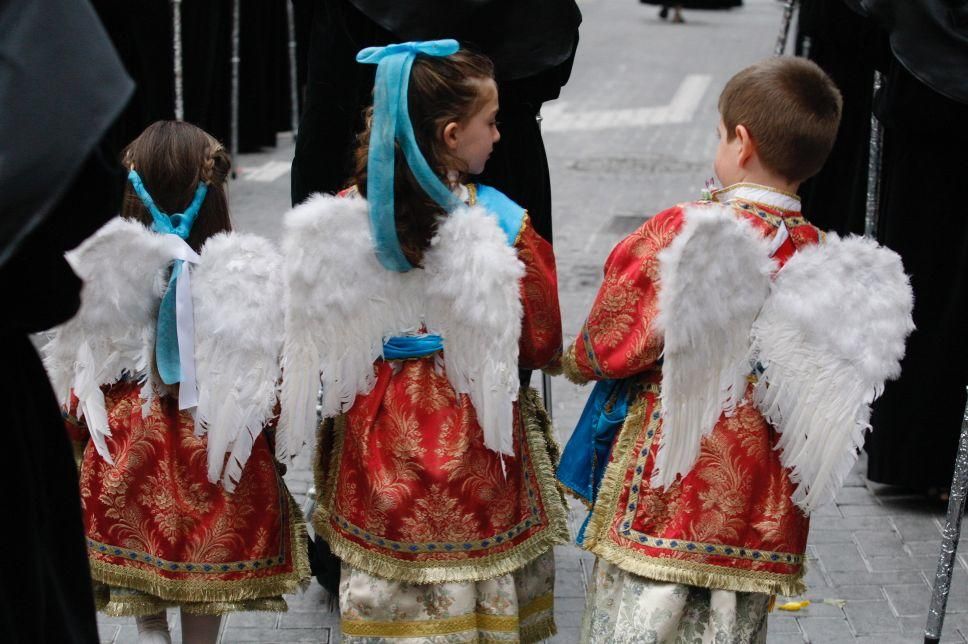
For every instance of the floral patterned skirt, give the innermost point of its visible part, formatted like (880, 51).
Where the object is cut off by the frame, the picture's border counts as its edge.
(517, 607)
(623, 608)
(160, 535)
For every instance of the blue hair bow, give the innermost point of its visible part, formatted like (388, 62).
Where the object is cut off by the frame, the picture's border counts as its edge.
(391, 122)
(175, 335)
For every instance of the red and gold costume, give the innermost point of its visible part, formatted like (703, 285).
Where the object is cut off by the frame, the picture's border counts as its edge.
(730, 522)
(416, 505)
(160, 534)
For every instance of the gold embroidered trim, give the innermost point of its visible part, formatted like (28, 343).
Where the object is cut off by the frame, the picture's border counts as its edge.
(477, 622)
(536, 429)
(537, 605)
(598, 538)
(569, 366)
(216, 591)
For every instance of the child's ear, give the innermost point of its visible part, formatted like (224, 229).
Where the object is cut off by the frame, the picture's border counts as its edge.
(450, 135)
(746, 145)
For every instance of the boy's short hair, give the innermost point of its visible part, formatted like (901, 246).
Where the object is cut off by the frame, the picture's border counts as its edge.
(791, 109)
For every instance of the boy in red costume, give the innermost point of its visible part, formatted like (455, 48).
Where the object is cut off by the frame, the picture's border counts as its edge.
(713, 431)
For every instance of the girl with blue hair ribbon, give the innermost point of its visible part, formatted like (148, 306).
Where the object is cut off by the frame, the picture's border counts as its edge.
(414, 297)
(168, 400)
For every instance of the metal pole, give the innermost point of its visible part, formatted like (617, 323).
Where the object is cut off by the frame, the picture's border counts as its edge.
(234, 115)
(545, 378)
(177, 45)
(874, 169)
(781, 40)
(293, 74)
(949, 540)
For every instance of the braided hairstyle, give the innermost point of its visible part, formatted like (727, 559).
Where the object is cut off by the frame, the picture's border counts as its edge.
(172, 157)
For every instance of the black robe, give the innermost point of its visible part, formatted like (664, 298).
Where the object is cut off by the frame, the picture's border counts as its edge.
(918, 420)
(62, 86)
(142, 33)
(531, 67)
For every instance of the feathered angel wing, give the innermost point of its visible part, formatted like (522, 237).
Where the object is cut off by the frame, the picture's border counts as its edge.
(236, 292)
(113, 333)
(714, 277)
(830, 334)
(338, 308)
(474, 302)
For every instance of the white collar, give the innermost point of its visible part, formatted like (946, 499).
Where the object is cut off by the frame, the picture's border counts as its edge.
(758, 194)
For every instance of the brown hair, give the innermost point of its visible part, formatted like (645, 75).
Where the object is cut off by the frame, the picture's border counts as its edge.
(172, 157)
(791, 109)
(442, 90)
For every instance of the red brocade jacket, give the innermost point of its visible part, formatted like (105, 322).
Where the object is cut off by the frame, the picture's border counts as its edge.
(410, 492)
(730, 522)
(155, 524)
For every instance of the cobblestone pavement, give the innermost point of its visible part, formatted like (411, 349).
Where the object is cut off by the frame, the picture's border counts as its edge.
(633, 133)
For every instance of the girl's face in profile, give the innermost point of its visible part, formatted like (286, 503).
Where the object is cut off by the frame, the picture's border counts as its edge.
(473, 139)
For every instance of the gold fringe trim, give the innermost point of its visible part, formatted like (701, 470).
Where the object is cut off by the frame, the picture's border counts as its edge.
(569, 366)
(538, 631)
(148, 605)
(537, 427)
(217, 591)
(680, 571)
(614, 478)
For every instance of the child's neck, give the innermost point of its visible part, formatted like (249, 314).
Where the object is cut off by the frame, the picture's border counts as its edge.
(769, 180)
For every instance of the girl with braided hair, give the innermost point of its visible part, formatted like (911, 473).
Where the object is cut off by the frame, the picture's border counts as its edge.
(168, 377)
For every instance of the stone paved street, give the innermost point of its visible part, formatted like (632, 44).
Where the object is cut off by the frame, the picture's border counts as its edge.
(633, 133)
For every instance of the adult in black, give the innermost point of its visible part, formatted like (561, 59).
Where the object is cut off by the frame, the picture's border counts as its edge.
(142, 32)
(924, 109)
(923, 106)
(849, 47)
(532, 44)
(61, 86)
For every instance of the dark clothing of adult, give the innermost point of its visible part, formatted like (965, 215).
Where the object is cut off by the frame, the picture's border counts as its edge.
(531, 66)
(61, 86)
(917, 421)
(928, 37)
(849, 48)
(143, 35)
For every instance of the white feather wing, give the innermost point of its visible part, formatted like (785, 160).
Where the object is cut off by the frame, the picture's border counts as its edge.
(831, 333)
(339, 304)
(237, 290)
(473, 302)
(714, 277)
(113, 333)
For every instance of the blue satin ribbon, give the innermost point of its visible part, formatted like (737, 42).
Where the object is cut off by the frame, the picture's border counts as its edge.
(586, 455)
(404, 347)
(391, 122)
(510, 216)
(180, 224)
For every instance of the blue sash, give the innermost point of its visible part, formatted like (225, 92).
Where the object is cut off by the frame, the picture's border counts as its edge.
(404, 347)
(586, 455)
(510, 216)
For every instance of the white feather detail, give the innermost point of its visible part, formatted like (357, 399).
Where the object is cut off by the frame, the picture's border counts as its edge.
(714, 277)
(831, 333)
(474, 303)
(112, 335)
(236, 291)
(341, 304)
